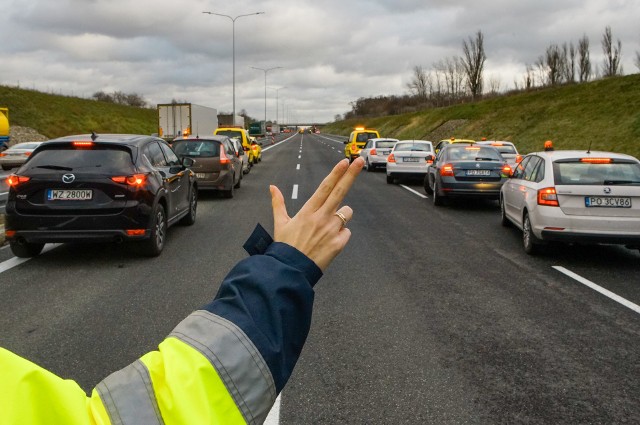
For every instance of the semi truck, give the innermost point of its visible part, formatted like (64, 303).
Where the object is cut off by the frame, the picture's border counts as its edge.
(4, 128)
(258, 129)
(184, 119)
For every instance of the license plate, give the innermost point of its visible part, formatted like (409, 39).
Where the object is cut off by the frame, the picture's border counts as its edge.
(607, 201)
(411, 159)
(200, 175)
(478, 172)
(69, 194)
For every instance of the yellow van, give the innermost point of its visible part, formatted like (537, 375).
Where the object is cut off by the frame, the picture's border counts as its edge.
(357, 139)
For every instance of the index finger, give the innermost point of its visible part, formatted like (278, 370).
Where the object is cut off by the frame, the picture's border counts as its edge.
(342, 187)
(325, 188)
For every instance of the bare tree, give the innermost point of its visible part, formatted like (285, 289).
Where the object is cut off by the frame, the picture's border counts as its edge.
(473, 61)
(554, 62)
(494, 85)
(584, 63)
(529, 78)
(637, 60)
(419, 83)
(569, 62)
(611, 64)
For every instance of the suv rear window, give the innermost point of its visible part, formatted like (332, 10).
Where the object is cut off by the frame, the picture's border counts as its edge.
(102, 159)
(581, 173)
(199, 148)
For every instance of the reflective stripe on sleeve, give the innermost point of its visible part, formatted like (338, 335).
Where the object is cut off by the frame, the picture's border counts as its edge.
(128, 397)
(239, 364)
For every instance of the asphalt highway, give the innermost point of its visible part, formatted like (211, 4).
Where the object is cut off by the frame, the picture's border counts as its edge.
(430, 315)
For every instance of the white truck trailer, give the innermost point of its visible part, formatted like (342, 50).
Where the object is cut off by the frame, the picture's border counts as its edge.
(183, 119)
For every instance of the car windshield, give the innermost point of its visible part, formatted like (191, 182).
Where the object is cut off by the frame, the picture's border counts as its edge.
(386, 144)
(581, 173)
(108, 159)
(413, 147)
(473, 153)
(200, 148)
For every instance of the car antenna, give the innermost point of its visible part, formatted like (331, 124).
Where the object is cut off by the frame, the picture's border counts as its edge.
(589, 148)
(94, 136)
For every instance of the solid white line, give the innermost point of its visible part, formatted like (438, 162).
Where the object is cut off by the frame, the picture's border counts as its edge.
(415, 192)
(298, 167)
(605, 292)
(274, 414)
(15, 261)
(294, 194)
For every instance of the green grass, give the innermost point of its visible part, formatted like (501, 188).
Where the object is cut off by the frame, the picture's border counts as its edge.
(55, 116)
(603, 113)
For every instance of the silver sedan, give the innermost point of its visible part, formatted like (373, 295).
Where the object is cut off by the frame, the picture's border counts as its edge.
(376, 151)
(17, 154)
(409, 159)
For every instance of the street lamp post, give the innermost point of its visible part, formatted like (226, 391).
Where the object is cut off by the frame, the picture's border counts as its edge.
(233, 20)
(277, 104)
(265, 70)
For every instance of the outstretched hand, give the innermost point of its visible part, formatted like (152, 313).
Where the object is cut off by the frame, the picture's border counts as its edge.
(318, 229)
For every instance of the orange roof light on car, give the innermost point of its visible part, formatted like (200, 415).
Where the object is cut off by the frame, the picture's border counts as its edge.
(548, 197)
(359, 128)
(597, 160)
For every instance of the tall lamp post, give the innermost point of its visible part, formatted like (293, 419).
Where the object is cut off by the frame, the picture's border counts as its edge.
(277, 104)
(265, 70)
(233, 20)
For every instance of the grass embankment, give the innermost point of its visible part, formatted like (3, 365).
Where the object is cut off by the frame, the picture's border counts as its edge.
(55, 116)
(605, 113)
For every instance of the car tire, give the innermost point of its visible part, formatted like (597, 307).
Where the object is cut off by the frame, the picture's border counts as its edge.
(503, 216)
(153, 246)
(530, 242)
(390, 179)
(190, 218)
(427, 185)
(25, 249)
(438, 200)
(368, 166)
(229, 193)
(237, 185)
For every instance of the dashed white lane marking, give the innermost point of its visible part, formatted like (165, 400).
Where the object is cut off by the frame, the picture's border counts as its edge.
(299, 156)
(274, 414)
(605, 292)
(298, 167)
(15, 261)
(414, 192)
(294, 194)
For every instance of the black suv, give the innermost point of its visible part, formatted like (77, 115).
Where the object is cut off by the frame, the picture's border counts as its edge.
(94, 188)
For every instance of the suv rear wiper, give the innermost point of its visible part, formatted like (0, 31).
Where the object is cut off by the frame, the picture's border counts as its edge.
(621, 182)
(485, 159)
(54, 167)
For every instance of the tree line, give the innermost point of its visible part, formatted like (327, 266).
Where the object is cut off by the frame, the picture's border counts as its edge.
(459, 79)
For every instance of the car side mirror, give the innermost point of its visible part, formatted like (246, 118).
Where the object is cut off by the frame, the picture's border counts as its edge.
(187, 162)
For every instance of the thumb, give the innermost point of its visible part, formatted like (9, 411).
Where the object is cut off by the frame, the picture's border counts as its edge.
(280, 216)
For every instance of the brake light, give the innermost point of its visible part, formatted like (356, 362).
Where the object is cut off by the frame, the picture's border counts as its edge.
(224, 159)
(373, 152)
(14, 180)
(135, 232)
(506, 170)
(82, 144)
(472, 148)
(447, 170)
(133, 180)
(596, 160)
(9, 233)
(391, 158)
(548, 197)
(518, 159)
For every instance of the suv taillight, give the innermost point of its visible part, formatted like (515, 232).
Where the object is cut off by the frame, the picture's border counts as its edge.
(548, 197)
(13, 180)
(133, 180)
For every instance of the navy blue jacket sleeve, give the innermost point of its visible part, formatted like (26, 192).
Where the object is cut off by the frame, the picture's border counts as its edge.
(270, 297)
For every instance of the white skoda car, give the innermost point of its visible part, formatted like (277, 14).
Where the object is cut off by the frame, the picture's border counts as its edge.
(408, 158)
(376, 151)
(574, 196)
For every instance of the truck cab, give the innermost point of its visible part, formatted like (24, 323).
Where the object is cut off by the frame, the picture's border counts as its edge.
(242, 135)
(357, 139)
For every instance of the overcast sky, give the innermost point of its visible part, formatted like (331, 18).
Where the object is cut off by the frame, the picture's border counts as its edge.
(331, 51)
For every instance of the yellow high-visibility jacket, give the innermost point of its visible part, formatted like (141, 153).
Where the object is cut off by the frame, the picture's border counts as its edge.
(223, 364)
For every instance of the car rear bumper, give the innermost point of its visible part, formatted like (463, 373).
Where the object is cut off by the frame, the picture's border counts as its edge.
(395, 169)
(489, 189)
(563, 236)
(70, 236)
(216, 181)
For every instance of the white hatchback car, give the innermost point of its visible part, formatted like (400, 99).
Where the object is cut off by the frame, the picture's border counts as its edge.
(376, 151)
(409, 158)
(574, 196)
